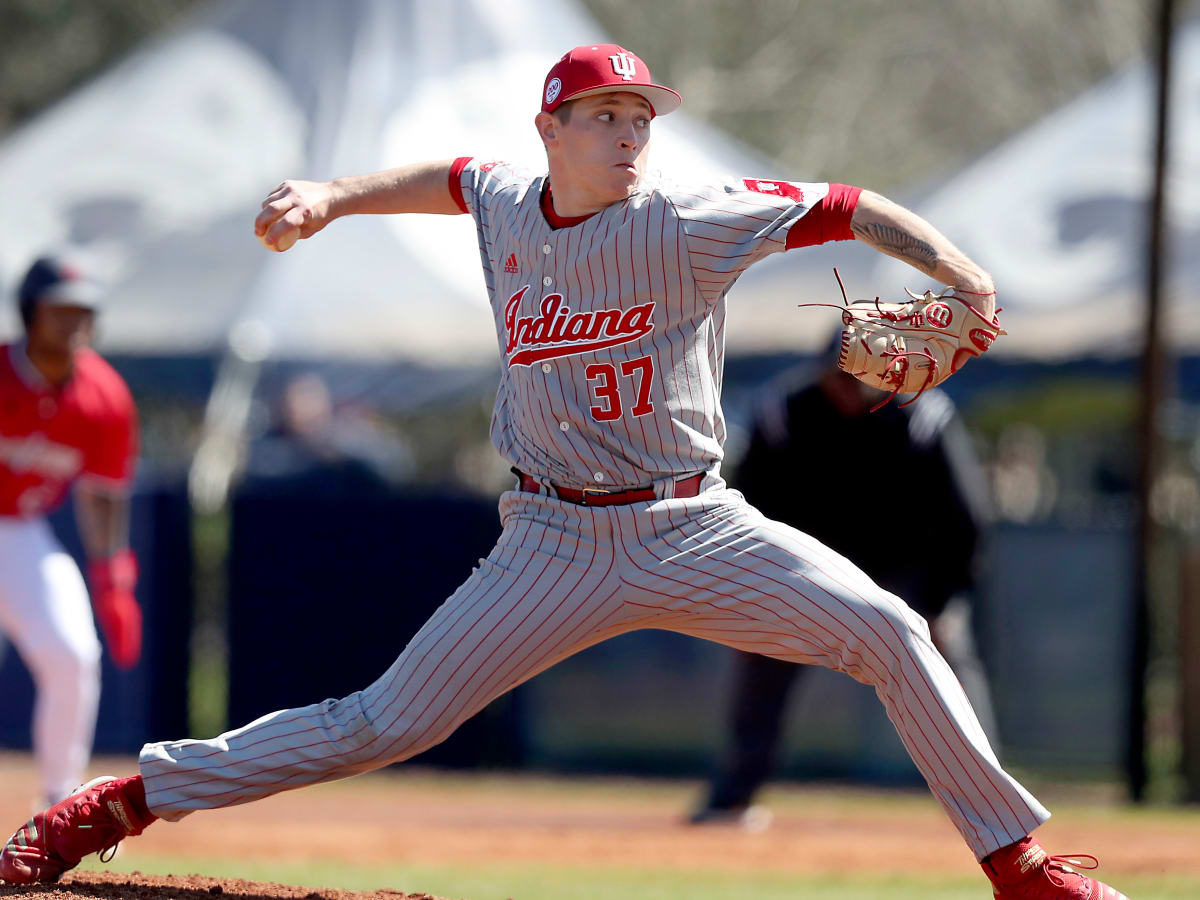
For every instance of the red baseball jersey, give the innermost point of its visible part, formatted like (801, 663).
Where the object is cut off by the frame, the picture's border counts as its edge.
(50, 437)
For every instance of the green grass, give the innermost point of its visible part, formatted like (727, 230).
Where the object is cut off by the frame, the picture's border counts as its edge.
(557, 882)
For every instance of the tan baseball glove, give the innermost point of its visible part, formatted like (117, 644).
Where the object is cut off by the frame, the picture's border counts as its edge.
(911, 345)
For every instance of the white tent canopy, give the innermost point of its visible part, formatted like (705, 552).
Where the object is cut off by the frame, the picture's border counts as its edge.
(1060, 215)
(156, 170)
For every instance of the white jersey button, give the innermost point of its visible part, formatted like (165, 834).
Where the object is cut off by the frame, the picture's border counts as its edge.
(546, 367)
(563, 426)
(547, 281)
(599, 476)
(546, 249)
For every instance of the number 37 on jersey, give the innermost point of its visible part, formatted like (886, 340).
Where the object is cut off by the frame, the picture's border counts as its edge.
(557, 331)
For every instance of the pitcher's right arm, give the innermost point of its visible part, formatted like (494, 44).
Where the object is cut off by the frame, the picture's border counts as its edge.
(299, 209)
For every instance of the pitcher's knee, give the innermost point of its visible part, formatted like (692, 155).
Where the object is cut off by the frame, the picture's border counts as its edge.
(414, 732)
(900, 618)
(880, 634)
(347, 721)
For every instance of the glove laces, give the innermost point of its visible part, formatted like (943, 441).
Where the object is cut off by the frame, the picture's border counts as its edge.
(899, 361)
(891, 316)
(898, 370)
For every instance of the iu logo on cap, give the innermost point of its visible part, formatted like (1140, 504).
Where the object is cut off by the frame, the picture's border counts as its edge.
(623, 65)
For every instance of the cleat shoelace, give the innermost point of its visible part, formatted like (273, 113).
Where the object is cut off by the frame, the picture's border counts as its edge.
(89, 808)
(1068, 862)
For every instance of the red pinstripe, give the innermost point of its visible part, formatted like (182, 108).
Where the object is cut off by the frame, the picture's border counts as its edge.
(516, 644)
(711, 403)
(931, 692)
(531, 555)
(641, 420)
(899, 671)
(508, 678)
(710, 271)
(715, 224)
(298, 715)
(786, 535)
(695, 409)
(877, 677)
(393, 692)
(412, 650)
(549, 592)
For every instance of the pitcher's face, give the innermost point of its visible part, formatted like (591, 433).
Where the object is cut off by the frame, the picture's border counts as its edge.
(601, 149)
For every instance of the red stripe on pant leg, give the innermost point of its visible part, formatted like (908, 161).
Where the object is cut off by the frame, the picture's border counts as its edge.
(749, 523)
(548, 592)
(933, 694)
(480, 584)
(908, 729)
(505, 681)
(275, 736)
(1034, 818)
(792, 589)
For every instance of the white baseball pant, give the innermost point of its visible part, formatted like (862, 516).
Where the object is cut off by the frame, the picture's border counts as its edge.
(46, 614)
(564, 577)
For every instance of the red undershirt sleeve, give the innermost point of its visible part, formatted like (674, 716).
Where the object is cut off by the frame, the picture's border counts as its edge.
(456, 171)
(829, 220)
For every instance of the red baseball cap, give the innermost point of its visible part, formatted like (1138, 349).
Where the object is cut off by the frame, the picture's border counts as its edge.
(603, 69)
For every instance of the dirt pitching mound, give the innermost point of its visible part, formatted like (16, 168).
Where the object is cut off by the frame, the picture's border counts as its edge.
(136, 886)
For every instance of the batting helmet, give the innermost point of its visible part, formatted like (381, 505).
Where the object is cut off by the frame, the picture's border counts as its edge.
(53, 281)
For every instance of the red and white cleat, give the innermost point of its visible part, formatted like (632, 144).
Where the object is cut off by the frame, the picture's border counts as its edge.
(94, 819)
(1024, 871)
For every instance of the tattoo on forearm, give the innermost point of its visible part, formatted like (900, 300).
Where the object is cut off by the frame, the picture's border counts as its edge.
(899, 243)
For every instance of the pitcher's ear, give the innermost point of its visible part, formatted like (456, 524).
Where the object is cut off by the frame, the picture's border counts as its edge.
(547, 127)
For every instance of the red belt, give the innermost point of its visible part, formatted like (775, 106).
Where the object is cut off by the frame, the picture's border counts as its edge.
(684, 487)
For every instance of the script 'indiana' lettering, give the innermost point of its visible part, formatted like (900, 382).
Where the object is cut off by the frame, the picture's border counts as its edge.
(556, 331)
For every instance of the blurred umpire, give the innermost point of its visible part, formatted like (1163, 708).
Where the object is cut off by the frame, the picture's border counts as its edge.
(813, 436)
(66, 419)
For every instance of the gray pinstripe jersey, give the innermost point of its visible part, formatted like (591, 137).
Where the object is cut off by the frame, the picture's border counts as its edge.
(611, 332)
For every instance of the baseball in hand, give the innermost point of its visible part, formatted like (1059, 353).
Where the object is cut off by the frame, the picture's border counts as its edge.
(284, 242)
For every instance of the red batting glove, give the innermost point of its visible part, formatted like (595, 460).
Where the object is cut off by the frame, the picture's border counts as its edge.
(116, 609)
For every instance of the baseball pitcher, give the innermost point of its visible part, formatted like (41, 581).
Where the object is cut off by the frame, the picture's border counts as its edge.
(609, 287)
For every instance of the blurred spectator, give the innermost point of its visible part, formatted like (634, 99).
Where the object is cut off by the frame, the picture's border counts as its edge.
(328, 449)
(1023, 486)
(814, 446)
(66, 419)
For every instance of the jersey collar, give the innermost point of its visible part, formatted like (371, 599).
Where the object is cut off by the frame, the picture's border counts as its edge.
(553, 218)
